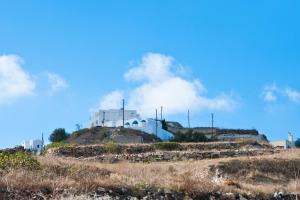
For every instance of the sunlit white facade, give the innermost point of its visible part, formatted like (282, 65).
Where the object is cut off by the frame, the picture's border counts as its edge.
(33, 145)
(114, 118)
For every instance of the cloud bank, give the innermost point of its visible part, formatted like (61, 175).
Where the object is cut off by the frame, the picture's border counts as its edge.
(272, 92)
(160, 84)
(14, 81)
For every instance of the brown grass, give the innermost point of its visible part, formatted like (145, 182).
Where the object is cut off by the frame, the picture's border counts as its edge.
(193, 177)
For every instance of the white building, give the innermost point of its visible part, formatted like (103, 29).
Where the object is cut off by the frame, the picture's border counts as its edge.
(114, 118)
(150, 126)
(109, 118)
(285, 144)
(33, 145)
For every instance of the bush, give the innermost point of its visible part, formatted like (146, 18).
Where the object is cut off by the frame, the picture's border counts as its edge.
(164, 124)
(59, 135)
(297, 143)
(166, 146)
(112, 147)
(190, 136)
(18, 160)
(57, 145)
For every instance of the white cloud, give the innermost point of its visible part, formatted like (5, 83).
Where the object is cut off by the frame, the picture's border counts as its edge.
(154, 67)
(293, 95)
(112, 100)
(57, 83)
(14, 81)
(161, 85)
(272, 92)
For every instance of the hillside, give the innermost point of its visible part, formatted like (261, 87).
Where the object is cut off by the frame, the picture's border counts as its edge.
(99, 135)
(250, 171)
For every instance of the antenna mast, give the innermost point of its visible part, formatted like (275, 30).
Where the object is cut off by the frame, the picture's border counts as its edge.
(161, 111)
(189, 119)
(123, 113)
(103, 118)
(212, 124)
(156, 123)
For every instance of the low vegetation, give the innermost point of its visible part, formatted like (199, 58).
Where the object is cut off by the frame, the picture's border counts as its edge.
(112, 147)
(18, 160)
(59, 135)
(58, 145)
(297, 143)
(267, 167)
(190, 136)
(190, 177)
(261, 175)
(168, 146)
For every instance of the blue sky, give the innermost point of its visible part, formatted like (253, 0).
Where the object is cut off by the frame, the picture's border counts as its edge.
(59, 60)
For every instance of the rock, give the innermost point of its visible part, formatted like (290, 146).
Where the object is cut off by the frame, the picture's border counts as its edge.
(241, 197)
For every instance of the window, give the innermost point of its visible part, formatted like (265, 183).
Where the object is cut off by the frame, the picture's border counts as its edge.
(38, 146)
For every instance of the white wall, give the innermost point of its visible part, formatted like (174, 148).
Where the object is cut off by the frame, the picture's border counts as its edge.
(284, 143)
(34, 145)
(111, 117)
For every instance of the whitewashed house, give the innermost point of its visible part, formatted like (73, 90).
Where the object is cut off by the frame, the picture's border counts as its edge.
(114, 118)
(285, 144)
(149, 126)
(33, 145)
(110, 118)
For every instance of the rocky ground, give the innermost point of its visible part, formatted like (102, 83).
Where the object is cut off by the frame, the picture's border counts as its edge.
(127, 194)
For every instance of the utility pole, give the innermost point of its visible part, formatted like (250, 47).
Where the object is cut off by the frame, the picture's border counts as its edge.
(103, 121)
(212, 124)
(161, 111)
(43, 141)
(123, 113)
(189, 119)
(156, 124)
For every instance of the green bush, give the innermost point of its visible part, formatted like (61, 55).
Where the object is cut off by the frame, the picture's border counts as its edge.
(189, 136)
(59, 135)
(18, 160)
(164, 124)
(166, 146)
(112, 147)
(297, 143)
(57, 145)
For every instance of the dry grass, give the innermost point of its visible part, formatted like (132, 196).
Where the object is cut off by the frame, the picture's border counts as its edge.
(189, 176)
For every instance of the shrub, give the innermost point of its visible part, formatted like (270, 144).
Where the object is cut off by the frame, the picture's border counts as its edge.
(112, 147)
(166, 146)
(58, 135)
(164, 124)
(18, 160)
(297, 143)
(57, 145)
(190, 136)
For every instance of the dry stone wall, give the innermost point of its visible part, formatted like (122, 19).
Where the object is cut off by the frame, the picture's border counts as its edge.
(148, 153)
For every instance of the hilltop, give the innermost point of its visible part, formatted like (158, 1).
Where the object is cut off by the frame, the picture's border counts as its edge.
(100, 135)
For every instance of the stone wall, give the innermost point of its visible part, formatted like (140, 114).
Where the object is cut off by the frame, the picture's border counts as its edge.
(148, 153)
(164, 156)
